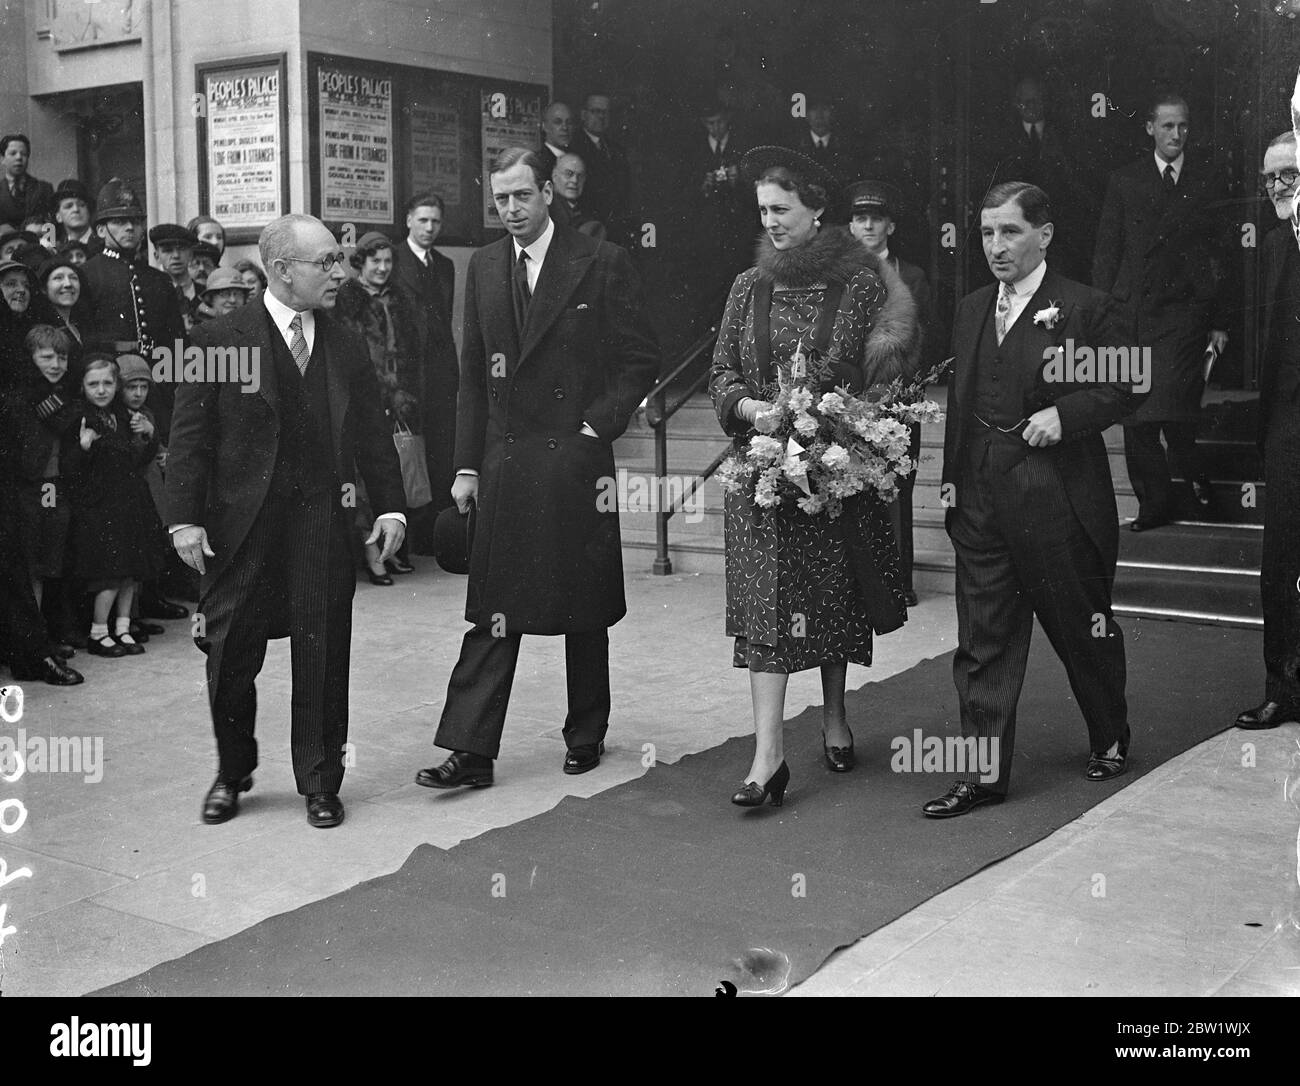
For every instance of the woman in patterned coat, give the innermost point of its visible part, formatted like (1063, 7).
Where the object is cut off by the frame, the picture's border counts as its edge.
(804, 590)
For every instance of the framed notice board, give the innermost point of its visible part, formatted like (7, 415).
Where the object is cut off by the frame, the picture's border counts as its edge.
(242, 117)
(380, 133)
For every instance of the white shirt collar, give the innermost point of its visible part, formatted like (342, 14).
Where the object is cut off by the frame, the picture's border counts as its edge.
(282, 316)
(1177, 164)
(422, 255)
(1028, 286)
(1037, 126)
(536, 252)
(556, 151)
(594, 139)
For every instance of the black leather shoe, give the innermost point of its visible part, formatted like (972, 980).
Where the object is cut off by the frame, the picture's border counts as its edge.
(52, 670)
(131, 648)
(909, 597)
(1102, 768)
(157, 607)
(752, 793)
(396, 565)
(839, 759)
(150, 629)
(960, 798)
(105, 646)
(63, 651)
(138, 634)
(462, 768)
(1145, 524)
(581, 759)
(221, 804)
(324, 809)
(1268, 715)
(377, 578)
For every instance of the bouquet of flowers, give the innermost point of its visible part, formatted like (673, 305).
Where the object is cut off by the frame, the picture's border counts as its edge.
(816, 449)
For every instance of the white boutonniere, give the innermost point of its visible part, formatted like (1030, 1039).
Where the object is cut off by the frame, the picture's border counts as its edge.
(1049, 316)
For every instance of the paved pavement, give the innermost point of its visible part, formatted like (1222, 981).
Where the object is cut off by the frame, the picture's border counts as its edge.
(124, 875)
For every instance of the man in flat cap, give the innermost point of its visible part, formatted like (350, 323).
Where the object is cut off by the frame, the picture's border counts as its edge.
(173, 246)
(873, 206)
(73, 208)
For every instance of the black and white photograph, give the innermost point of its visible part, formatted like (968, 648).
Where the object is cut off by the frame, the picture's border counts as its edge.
(524, 498)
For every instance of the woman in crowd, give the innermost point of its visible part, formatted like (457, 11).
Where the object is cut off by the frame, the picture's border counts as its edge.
(381, 316)
(803, 590)
(61, 287)
(206, 228)
(18, 287)
(253, 276)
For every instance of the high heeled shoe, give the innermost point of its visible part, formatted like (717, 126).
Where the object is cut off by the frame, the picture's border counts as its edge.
(839, 759)
(753, 794)
(378, 578)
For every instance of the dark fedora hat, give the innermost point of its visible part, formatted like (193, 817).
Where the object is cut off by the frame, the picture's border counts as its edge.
(756, 161)
(453, 538)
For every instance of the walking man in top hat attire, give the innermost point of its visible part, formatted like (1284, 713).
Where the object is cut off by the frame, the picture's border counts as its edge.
(558, 354)
(1032, 515)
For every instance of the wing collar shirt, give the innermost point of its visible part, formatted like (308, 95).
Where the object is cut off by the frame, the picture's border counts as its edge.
(1023, 290)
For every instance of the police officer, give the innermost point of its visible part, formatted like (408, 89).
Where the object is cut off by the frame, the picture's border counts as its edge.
(133, 308)
(873, 206)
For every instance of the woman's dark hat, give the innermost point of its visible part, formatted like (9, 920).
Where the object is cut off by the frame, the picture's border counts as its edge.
(453, 538)
(759, 159)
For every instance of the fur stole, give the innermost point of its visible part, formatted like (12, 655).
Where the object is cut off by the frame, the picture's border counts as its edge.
(836, 254)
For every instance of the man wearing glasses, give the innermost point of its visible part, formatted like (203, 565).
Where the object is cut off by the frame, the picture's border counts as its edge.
(260, 500)
(1279, 442)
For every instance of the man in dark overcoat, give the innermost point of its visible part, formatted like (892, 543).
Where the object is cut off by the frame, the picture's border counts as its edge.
(1160, 254)
(427, 279)
(261, 501)
(558, 353)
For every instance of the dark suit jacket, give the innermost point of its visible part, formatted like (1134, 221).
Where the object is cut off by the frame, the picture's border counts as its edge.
(431, 291)
(1273, 253)
(546, 552)
(224, 440)
(608, 193)
(1153, 256)
(37, 198)
(843, 156)
(1088, 318)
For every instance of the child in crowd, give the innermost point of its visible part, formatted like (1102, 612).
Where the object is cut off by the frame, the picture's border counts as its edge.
(39, 409)
(136, 380)
(115, 529)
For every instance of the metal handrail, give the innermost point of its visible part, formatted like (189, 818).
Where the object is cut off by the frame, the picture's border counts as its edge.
(657, 415)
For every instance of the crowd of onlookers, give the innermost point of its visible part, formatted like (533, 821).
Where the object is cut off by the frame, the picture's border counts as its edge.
(88, 293)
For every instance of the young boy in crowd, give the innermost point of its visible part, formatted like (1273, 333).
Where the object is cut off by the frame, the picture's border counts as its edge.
(136, 380)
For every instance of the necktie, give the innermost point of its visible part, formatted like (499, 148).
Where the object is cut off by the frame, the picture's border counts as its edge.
(522, 295)
(298, 345)
(1035, 141)
(1170, 182)
(1002, 316)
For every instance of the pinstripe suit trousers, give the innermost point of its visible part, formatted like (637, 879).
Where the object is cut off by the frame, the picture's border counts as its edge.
(297, 549)
(1022, 553)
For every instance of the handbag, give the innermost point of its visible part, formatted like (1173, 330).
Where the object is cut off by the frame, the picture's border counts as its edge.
(415, 470)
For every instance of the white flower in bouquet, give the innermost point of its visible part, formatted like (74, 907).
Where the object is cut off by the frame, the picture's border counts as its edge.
(765, 489)
(800, 399)
(836, 457)
(813, 503)
(766, 449)
(832, 403)
(805, 424)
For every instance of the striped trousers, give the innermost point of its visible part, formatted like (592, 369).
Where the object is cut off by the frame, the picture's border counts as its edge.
(1022, 553)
